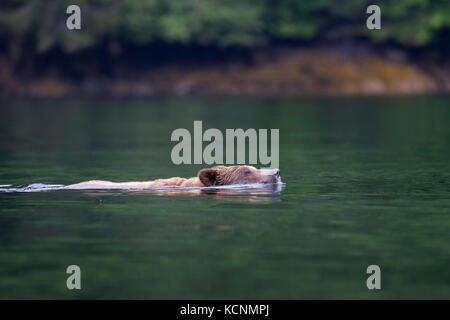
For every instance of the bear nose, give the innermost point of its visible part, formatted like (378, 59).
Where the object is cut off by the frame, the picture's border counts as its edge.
(277, 173)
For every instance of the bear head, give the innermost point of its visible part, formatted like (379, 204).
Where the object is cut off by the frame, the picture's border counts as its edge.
(222, 176)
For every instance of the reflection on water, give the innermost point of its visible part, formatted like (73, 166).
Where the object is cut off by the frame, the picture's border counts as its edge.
(232, 193)
(236, 193)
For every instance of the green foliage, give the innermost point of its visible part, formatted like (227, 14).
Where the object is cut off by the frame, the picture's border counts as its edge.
(245, 23)
(408, 22)
(292, 18)
(414, 22)
(191, 21)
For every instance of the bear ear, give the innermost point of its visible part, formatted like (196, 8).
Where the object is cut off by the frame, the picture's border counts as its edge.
(208, 176)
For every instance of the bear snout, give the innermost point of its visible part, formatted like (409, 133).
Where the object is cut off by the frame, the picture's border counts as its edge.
(270, 175)
(270, 172)
(277, 173)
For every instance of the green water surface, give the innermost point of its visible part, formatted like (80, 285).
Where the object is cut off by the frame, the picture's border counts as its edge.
(367, 182)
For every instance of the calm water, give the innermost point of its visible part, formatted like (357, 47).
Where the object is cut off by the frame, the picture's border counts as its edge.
(367, 182)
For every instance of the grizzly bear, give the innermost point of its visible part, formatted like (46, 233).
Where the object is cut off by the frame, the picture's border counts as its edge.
(215, 176)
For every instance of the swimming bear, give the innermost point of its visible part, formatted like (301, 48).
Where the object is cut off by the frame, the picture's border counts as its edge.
(215, 176)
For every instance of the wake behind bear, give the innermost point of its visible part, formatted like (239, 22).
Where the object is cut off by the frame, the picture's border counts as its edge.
(215, 176)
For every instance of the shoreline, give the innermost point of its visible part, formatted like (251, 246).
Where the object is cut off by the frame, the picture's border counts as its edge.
(304, 71)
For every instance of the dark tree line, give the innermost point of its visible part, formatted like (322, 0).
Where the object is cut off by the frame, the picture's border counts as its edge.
(221, 23)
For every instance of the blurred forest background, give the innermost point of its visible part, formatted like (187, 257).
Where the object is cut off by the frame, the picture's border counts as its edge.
(230, 47)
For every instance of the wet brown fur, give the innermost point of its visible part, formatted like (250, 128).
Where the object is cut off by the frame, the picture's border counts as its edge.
(215, 176)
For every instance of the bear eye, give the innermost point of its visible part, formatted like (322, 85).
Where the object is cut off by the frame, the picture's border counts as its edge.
(247, 172)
